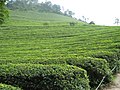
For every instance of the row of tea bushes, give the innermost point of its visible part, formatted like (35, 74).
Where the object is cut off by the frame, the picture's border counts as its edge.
(96, 67)
(113, 58)
(8, 87)
(44, 77)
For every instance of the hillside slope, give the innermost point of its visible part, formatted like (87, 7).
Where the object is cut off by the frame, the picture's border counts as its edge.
(36, 18)
(56, 52)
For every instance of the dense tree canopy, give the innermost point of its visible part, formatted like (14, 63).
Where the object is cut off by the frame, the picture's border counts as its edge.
(21, 4)
(3, 11)
(35, 5)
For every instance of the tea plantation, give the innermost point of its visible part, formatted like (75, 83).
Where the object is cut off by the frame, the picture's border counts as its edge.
(52, 55)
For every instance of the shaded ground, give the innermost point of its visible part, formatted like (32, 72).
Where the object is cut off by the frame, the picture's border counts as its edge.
(115, 85)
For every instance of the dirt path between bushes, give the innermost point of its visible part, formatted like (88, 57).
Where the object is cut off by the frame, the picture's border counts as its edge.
(116, 84)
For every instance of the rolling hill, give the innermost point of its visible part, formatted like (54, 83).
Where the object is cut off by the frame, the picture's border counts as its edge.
(36, 18)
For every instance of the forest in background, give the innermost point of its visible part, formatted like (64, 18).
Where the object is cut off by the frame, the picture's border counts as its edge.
(34, 5)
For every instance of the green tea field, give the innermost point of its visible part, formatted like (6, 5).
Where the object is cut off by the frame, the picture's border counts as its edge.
(46, 53)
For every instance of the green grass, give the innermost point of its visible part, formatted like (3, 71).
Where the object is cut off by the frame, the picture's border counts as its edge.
(33, 38)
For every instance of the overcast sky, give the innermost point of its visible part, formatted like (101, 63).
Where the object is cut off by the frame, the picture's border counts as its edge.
(102, 12)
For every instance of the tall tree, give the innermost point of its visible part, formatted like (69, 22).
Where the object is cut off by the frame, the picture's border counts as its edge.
(56, 8)
(117, 21)
(3, 11)
(69, 13)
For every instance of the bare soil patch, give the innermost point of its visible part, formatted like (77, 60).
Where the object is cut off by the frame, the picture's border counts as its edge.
(115, 85)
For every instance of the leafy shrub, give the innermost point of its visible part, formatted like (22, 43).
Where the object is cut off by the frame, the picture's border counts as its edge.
(45, 24)
(8, 87)
(92, 22)
(113, 58)
(44, 77)
(96, 68)
(72, 23)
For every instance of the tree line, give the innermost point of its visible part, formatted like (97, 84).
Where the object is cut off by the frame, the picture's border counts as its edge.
(30, 5)
(36, 6)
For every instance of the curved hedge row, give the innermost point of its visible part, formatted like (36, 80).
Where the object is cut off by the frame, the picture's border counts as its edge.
(96, 67)
(113, 58)
(44, 77)
(8, 87)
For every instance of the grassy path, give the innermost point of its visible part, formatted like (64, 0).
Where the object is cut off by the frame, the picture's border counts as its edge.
(116, 84)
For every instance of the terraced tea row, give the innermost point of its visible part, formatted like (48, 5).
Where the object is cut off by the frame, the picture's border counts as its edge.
(96, 49)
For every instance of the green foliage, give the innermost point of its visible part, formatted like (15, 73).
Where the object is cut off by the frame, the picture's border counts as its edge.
(8, 87)
(26, 5)
(92, 22)
(3, 12)
(69, 13)
(44, 77)
(96, 68)
(112, 58)
(72, 23)
(46, 24)
(22, 4)
(27, 41)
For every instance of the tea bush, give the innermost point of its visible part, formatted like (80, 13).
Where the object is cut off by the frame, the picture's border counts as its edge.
(113, 58)
(96, 68)
(44, 77)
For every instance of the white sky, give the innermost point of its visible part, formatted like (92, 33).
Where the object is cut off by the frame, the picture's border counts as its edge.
(102, 12)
